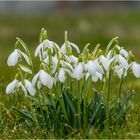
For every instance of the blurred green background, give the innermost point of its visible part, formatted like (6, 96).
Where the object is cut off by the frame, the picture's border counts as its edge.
(86, 22)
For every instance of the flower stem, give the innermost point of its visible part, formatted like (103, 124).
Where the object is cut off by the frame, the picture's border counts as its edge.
(108, 91)
(120, 87)
(79, 103)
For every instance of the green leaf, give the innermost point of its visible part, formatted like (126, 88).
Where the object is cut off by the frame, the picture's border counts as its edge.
(26, 114)
(70, 105)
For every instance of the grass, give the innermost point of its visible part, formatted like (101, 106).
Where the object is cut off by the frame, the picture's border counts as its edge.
(83, 27)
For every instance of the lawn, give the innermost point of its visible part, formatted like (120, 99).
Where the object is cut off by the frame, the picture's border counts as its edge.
(83, 27)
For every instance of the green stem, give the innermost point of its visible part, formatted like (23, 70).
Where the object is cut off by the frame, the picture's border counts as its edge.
(61, 100)
(29, 104)
(79, 103)
(108, 91)
(86, 98)
(120, 87)
(33, 113)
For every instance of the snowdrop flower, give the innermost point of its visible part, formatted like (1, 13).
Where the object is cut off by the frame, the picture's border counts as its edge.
(78, 72)
(122, 61)
(124, 53)
(25, 57)
(13, 58)
(96, 77)
(108, 56)
(73, 59)
(93, 66)
(44, 45)
(29, 87)
(120, 71)
(105, 62)
(11, 87)
(54, 63)
(44, 78)
(69, 45)
(136, 69)
(61, 75)
(23, 88)
(66, 65)
(25, 69)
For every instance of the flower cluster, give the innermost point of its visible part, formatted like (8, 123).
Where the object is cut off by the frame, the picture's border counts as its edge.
(59, 64)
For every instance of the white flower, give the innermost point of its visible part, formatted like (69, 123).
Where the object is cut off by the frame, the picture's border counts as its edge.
(96, 77)
(29, 87)
(108, 56)
(25, 57)
(120, 71)
(105, 62)
(122, 61)
(54, 64)
(93, 66)
(41, 49)
(78, 72)
(54, 61)
(11, 87)
(25, 69)
(23, 88)
(61, 75)
(66, 65)
(70, 45)
(13, 58)
(73, 59)
(44, 78)
(136, 69)
(124, 52)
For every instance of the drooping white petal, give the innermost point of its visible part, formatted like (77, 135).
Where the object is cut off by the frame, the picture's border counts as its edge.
(45, 54)
(68, 72)
(25, 57)
(99, 75)
(120, 71)
(90, 67)
(78, 72)
(87, 75)
(75, 47)
(45, 79)
(136, 69)
(73, 59)
(94, 78)
(99, 69)
(37, 51)
(93, 66)
(23, 88)
(122, 61)
(63, 49)
(46, 60)
(48, 44)
(34, 80)
(105, 62)
(13, 58)
(56, 45)
(108, 56)
(66, 65)
(124, 52)
(30, 87)
(61, 75)
(54, 64)
(25, 69)
(11, 86)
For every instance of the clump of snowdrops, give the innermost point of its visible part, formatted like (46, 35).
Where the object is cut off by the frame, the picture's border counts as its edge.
(68, 89)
